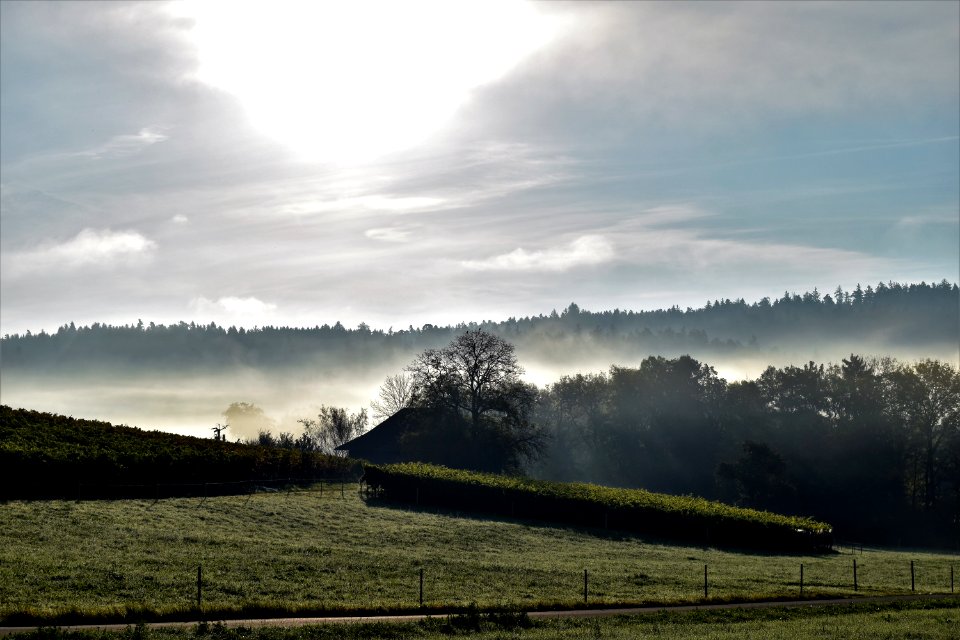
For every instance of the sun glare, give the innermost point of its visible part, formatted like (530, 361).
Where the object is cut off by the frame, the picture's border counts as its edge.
(346, 82)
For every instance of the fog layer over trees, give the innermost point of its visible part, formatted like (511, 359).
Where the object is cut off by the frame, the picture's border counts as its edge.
(182, 377)
(872, 447)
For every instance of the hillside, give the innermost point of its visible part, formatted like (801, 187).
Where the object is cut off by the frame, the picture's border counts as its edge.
(43, 454)
(305, 552)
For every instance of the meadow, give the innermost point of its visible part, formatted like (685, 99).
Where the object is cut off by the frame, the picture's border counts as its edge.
(307, 552)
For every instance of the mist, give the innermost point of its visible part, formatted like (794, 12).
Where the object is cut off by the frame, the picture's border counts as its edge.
(181, 378)
(193, 400)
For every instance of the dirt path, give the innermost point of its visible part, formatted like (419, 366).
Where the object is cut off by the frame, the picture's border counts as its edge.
(574, 613)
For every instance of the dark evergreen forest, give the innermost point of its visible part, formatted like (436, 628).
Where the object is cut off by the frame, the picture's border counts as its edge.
(883, 319)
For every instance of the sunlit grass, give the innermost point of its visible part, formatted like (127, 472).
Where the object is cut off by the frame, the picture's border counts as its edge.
(300, 552)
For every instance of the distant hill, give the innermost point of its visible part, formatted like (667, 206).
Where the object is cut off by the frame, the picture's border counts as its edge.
(890, 318)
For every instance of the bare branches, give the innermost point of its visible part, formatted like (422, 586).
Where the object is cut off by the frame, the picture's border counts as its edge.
(332, 428)
(396, 392)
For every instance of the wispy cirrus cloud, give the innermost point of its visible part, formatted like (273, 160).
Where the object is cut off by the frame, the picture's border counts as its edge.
(389, 234)
(584, 251)
(126, 144)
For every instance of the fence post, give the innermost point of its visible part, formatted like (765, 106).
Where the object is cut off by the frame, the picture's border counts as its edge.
(705, 591)
(913, 581)
(951, 578)
(199, 585)
(801, 579)
(585, 587)
(856, 586)
(421, 587)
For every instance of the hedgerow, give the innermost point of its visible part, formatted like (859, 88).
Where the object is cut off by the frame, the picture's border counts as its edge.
(685, 518)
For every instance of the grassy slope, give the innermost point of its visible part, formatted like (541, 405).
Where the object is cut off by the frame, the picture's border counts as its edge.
(306, 552)
(49, 455)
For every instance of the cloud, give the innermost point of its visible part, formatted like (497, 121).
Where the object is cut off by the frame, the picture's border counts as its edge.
(708, 65)
(126, 144)
(584, 251)
(389, 234)
(921, 220)
(670, 214)
(90, 247)
(394, 204)
(179, 219)
(334, 85)
(234, 310)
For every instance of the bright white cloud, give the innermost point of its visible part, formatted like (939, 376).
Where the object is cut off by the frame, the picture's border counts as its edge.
(229, 310)
(90, 247)
(179, 219)
(584, 251)
(345, 82)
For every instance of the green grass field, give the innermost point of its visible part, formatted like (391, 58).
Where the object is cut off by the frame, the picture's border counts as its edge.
(300, 552)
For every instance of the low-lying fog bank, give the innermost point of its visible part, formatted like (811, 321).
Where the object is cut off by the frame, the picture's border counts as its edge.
(193, 400)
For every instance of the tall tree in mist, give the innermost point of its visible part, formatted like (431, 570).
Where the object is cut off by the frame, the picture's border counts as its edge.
(247, 419)
(474, 382)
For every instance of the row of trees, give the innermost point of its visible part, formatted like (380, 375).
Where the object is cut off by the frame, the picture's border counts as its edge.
(871, 446)
(875, 318)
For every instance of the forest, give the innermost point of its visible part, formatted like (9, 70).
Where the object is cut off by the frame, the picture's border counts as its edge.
(872, 446)
(890, 318)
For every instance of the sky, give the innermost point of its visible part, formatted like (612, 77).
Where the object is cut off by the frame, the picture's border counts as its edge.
(290, 163)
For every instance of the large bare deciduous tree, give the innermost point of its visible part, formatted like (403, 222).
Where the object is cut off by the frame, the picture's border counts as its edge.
(475, 381)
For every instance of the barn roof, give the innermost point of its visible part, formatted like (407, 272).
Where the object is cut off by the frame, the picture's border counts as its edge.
(386, 436)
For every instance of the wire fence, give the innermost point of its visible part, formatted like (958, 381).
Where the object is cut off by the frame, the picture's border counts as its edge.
(420, 583)
(836, 574)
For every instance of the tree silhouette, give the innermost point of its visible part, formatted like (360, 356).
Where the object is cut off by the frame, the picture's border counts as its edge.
(396, 393)
(475, 382)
